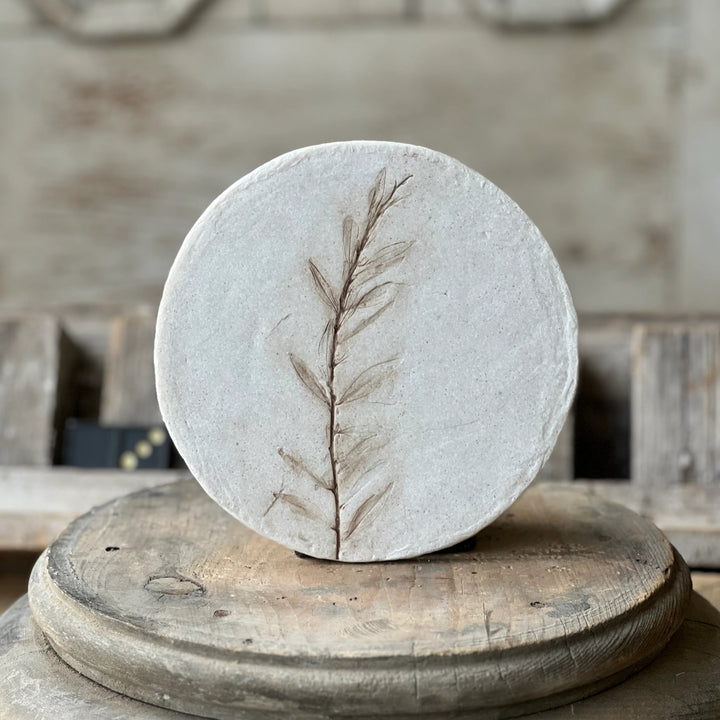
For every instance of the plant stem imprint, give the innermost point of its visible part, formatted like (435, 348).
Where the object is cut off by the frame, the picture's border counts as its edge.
(363, 296)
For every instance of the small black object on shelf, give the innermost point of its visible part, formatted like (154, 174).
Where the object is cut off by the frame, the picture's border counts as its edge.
(91, 445)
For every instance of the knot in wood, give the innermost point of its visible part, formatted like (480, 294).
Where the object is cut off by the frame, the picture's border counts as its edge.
(173, 585)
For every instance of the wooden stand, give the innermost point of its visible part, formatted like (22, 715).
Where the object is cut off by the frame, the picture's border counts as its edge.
(684, 682)
(163, 597)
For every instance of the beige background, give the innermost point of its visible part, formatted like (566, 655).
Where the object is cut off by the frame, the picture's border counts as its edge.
(609, 137)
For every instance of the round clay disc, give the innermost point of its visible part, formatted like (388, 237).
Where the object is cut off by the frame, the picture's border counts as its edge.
(365, 351)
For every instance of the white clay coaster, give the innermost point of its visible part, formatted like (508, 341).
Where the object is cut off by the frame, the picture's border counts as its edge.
(365, 351)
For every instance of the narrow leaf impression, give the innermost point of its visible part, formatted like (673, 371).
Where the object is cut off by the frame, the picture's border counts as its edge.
(377, 189)
(364, 510)
(366, 322)
(360, 460)
(350, 234)
(301, 467)
(322, 286)
(360, 302)
(386, 258)
(296, 503)
(366, 382)
(308, 378)
(370, 296)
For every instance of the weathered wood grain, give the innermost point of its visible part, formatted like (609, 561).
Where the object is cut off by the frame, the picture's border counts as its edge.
(163, 597)
(35, 368)
(688, 514)
(15, 568)
(36, 504)
(35, 683)
(683, 683)
(676, 404)
(128, 395)
(707, 584)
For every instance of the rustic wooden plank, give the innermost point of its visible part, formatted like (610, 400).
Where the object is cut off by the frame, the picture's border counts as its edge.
(89, 327)
(684, 682)
(36, 361)
(603, 415)
(686, 514)
(128, 395)
(192, 599)
(37, 503)
(707, 584)
(35, 683)
(15, 570)
(676, 404)
(698, 544)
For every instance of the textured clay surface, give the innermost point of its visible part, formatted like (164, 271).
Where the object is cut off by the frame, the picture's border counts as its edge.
(365, 351)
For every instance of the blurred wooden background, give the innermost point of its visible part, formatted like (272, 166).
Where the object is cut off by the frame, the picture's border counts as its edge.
(607, 135)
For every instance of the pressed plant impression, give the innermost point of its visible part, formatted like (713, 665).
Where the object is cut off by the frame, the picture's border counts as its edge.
(360, 299)
(365, 351)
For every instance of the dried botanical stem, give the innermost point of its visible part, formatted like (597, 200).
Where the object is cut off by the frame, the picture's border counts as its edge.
(377, 207)
(359, 292)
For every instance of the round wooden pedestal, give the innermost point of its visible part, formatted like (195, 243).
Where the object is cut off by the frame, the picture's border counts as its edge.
(165, 598)
(683, 682)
